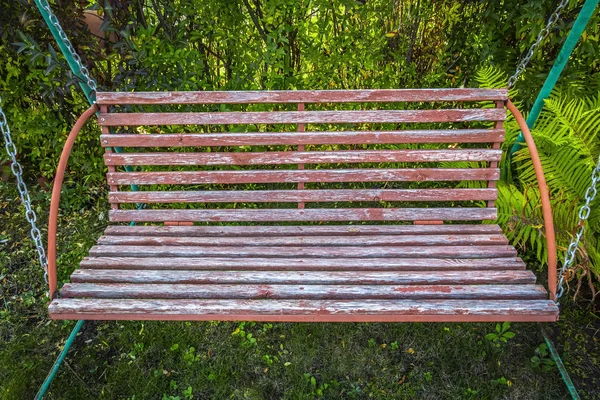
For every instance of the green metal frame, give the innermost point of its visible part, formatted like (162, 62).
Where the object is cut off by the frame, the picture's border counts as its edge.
(561, 61)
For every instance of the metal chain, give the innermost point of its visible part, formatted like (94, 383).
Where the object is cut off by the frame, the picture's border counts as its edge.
(584, 213)
(16, 168)
(541, 36)
(63, 36)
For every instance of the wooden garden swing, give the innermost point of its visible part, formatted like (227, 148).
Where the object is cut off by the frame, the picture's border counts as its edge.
(444, 264)
(350, 272)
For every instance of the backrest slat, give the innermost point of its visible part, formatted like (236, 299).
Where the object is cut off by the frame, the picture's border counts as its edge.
(301, 117)
(293, 138)
(304, 157)
(302, 96)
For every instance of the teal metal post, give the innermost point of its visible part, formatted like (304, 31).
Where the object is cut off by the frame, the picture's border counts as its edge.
(65, 50)
(40, 394)
(578, 27)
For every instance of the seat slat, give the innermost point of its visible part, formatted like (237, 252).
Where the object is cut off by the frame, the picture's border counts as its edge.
(307, 310)
(304, 278)
(302, 96)
(282, 176)
(294, 196)
(315, 292)
(381, 240)
(309, 251)
(302, 157)
(302, 264)
(302, 117)
(309, 214)
(306, 138)
(308, 230)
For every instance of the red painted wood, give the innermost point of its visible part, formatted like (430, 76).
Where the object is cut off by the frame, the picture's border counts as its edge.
(301, 230)
(312, 214)
(304, 277)
(302, 117)
(301, 157)
(293, 196)
(307, 251)
(380, 240)
(303, 264)
(293, 138)
(315, 292)
(301, 96)
(280, 176)
(307, 310)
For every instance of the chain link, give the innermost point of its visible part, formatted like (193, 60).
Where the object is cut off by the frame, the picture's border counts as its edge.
(584, 213)
(16, 168)
(541, 36)
(63, 36)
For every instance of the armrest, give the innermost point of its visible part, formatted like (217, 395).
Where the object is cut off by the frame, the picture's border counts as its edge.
(545, 197)
(55, 201)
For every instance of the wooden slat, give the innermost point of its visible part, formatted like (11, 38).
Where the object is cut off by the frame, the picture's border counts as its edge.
(380, 240)
(310, 214)
(293, 138)
(279, 176)
(302, 157)
(307, 310)
(246, 196)
(315, 292)
(299, 230)
(308, 251)
(302, 117)
(302, 96)
(293, 196)
(303, 278)
(302, 264)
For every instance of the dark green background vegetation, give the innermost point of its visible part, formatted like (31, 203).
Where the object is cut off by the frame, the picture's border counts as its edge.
(290, 44)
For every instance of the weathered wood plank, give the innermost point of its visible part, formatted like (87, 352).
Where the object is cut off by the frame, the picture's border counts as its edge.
(304, 277)
(279, 176)
(293, 138)
(380, 240)
(302, 117)
(308, 251)
(302, 264)
(294, 196)
(316, 292)
(299, 230)
(302, 96)
(307, 214)
(302, 157)
(307, 310)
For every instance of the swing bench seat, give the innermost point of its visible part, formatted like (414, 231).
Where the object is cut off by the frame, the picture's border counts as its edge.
(256, 215)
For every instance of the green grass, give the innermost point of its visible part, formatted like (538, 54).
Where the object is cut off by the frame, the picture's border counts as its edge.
(155, 360)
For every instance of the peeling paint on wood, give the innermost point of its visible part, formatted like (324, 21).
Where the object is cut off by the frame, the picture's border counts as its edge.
(294, 138)
(302, 96)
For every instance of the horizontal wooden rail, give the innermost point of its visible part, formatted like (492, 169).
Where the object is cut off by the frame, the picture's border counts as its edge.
(294, 196)
(312, 214)
(312, 230)
(302, 157)
(302, 117)
(301, 96)
(293, 138)
(280, 176)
